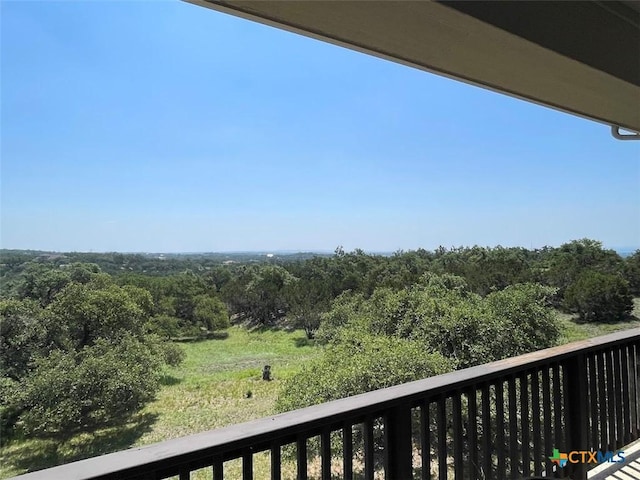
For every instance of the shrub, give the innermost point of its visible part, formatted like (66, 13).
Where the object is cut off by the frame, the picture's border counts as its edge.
(173, 354)
(359, 364)
(597, 296)
(522, 319)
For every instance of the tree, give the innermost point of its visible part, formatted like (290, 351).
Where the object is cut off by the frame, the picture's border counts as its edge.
(259, 292)
(83, 361)
(632, 272)
(184, 289)
(447, 318)
(43, 283)
(485, 269)
(93, 311)
(25, 333)
(599, 297)
(101, 384)
(210, 313)
(565, 264)
(308, 299)
(165, 326)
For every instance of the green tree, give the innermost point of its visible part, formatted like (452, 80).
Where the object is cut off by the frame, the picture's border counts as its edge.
(210, 313)
(601, 297)
(141, 297)
(563, 265)
(25, 333)
(632, 272)
(101, 384)
(523, 317)
(92, 311)
(447, 318)
(83, 361)
(42, 283)
(165, 326)
(184, 289)
(258, 292)
(308, 299)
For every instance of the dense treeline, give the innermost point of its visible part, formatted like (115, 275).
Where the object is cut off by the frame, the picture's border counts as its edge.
(154, 264)
(421, 313)
(84, 336)
(583, 272)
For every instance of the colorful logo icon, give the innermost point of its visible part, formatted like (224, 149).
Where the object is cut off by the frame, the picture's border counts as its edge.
(585, 456)
(560, 458)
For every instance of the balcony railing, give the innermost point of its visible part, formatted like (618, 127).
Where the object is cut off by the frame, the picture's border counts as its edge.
(501, 420)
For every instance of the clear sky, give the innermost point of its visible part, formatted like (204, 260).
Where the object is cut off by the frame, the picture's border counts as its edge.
(162, 126)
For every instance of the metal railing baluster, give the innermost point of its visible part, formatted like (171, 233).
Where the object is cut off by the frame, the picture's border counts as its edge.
(247, 465)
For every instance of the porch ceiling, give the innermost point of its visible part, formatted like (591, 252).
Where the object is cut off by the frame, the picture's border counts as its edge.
(581, 57)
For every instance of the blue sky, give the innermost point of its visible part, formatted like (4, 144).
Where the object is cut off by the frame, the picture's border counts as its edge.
(162, 126)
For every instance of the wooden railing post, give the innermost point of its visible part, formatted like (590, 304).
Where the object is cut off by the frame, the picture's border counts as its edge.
(576, 411)
(398, 445)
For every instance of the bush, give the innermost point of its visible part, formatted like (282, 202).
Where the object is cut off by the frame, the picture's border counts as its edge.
(522, 318)
(173, 354)
(358, 364)
(599, 297)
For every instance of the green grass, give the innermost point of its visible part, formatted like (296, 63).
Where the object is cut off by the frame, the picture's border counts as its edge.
(209, 390)
(573, 330)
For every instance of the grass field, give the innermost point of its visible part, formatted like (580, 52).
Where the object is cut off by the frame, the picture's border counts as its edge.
(211, 390)
(572, 330)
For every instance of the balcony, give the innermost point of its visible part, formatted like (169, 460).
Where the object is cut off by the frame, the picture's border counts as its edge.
(501, 420)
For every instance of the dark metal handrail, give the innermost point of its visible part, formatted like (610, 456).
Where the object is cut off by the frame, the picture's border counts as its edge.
(497, 420)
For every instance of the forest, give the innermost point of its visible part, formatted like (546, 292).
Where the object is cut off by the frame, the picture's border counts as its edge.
(89, 340)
